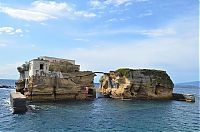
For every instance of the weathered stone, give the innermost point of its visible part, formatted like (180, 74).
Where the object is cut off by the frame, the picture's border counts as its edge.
(183, 97)
(137, 84)
(64, 67)
(18, 102)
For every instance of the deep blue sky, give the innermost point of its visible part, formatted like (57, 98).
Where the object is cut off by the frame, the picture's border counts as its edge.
(102, 35)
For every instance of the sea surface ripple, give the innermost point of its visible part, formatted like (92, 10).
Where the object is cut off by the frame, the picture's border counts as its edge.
(103, 114)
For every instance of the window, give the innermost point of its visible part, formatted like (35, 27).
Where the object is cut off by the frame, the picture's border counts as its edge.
(90, 91)
(30, 67)
(41, 66)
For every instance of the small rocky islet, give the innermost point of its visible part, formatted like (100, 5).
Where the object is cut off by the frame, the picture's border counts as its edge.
(56, 79)
(137, 84)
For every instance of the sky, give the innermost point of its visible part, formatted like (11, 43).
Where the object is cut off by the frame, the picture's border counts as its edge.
(102, 35)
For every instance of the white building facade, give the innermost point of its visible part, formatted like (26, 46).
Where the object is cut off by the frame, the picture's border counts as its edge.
(38, 67)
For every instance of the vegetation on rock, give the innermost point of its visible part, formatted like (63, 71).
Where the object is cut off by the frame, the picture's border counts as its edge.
(123, 72)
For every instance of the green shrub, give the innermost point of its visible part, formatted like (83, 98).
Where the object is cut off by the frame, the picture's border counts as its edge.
(123, 72)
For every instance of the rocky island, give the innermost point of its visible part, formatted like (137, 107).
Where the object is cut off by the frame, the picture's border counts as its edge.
(137, 84)
(49, 78)
(127, 84)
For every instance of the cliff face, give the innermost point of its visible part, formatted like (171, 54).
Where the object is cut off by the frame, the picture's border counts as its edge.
(44, 88)
(137, 84)
(52, 88)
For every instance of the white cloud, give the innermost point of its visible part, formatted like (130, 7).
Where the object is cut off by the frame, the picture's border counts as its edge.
(118, 19)
(112, 20)
(84, 14)
(103, 4)
(51, 7)
(3, 45)
(18, 30)
(27, 15)
(6, 29)
(99, 4)
(10, 30)
(147, 13)
(44, 10)
(96, 4)
(81, 39)
(128, 4)
(117, 2)
(43, 24)
(158, 32)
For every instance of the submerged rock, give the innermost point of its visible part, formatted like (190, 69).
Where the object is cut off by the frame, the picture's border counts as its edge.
(137, 84)
(5, 86)
(183, 97)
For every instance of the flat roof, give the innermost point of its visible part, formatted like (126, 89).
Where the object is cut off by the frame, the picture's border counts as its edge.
(55, 58)
(38, 60)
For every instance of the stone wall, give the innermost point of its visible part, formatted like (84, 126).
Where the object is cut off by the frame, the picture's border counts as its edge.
(64, 67)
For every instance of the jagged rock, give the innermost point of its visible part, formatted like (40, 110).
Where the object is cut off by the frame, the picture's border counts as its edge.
(137, 84)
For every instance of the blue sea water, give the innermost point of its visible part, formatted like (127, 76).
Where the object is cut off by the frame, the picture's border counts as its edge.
(102, 114)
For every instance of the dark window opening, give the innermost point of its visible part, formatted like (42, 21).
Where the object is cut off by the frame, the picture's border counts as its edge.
(156, 92)
(41, 66)
(90, 91)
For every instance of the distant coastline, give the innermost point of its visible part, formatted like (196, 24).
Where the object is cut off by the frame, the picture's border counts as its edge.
(8, 79)
(193, 84)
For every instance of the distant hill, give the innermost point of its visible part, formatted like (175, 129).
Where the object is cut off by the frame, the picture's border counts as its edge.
(188, 84)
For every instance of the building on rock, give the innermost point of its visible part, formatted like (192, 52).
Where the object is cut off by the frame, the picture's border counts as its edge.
(50, 78)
